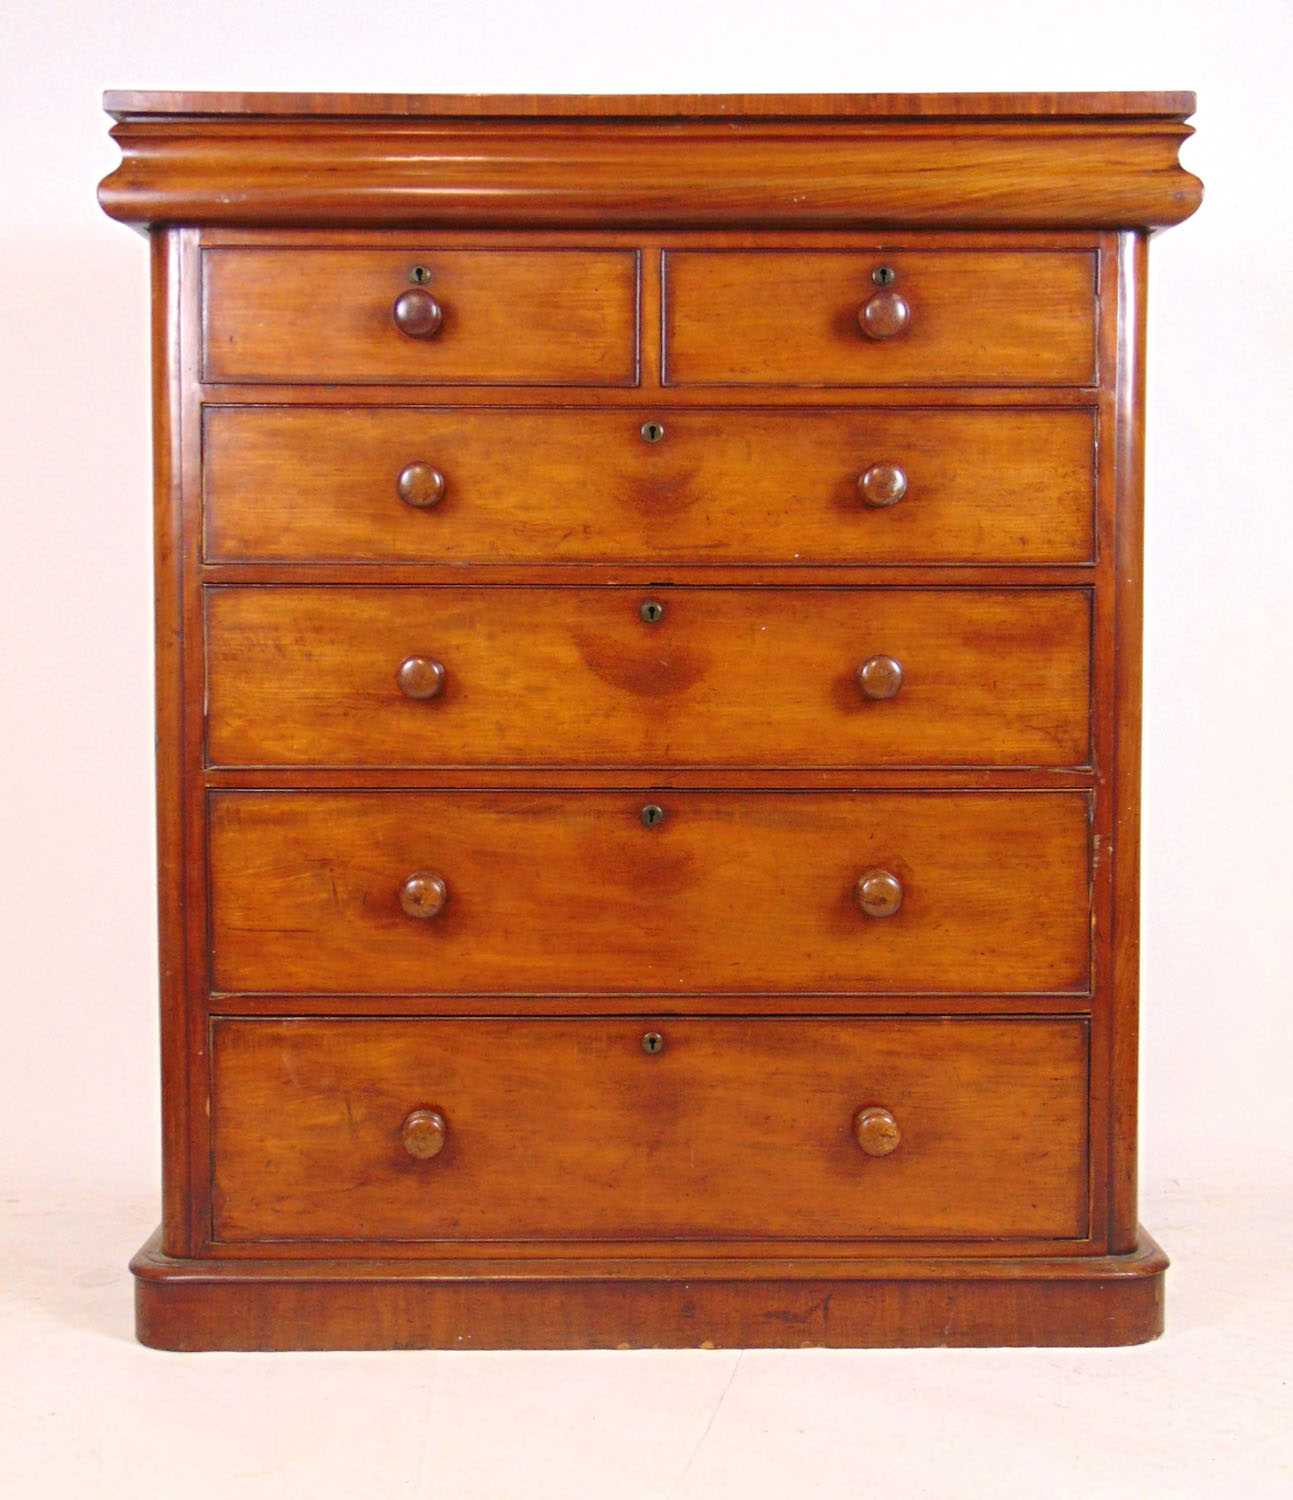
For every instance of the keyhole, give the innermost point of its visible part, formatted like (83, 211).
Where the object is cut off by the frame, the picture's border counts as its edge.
(420, 274)
(884, 275)
(652, 1043)
(651, 610)
(652, 432)
(652, 815)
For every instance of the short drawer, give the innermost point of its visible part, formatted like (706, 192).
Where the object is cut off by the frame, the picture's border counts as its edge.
(861, 318)
(723, 1130)
(450, 676)
(546, 892)
(473, 317)
(729, 486)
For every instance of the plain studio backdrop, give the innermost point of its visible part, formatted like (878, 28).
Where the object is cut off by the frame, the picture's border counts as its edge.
(1202, 1410)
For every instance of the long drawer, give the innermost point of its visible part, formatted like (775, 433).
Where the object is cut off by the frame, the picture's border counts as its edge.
(460, 317)
(884, 317)
(667, 1128)
(649, 892)
(565, 485)
(451, 676)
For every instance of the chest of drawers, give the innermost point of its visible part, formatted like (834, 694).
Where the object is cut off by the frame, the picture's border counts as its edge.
(648, 631)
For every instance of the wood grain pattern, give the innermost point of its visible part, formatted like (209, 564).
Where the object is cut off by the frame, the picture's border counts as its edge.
(178, 985)
(981, 317)
(581, 485)
(875, 170)
(522, 317)
(1172, 105)
(566, 892)
(568, 1130)
(977, 486)
(568, 1304)
(742, 677)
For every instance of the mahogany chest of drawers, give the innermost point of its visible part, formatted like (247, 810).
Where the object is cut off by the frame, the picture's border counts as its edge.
(648, 634)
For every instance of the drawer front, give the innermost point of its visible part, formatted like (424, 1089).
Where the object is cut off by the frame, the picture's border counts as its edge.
(506, 317)
(534, 487)
(797, 318)
(578, 677)
(573, 892)
(569, 1130)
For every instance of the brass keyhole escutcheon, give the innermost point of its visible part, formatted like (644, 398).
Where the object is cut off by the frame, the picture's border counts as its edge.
(884, 275)
(420, 275)
(652, 815)
(652, 1043)
(652, 432)
(651, 610)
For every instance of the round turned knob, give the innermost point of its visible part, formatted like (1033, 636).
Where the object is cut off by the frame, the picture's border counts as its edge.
(879, 893)
(876, 1131)
(423, 895)
(420, 485)
(882, 485)
(423, 1133)
(884, 315)
(880, 677)
(417, 313)
(420, 677)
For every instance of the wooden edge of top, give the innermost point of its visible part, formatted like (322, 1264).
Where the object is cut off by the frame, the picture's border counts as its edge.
(132, 104)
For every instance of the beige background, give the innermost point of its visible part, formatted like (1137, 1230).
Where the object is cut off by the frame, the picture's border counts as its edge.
(79, 1403)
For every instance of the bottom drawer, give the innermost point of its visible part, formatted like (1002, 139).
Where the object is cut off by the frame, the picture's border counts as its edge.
(641, 1128)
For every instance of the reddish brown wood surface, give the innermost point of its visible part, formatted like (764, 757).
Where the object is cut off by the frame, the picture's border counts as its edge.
(736, 677)
(556, 1304)
(1126, 599)
(1172, 105)
(999, 417)
(567, 892)
(791, 318)
(177, 979)
(520, 317)
(582, 485)
(1015, 161)
(570, 1130)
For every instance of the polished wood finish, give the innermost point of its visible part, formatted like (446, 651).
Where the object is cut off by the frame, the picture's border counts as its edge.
(420, 485)
(417, 314)
(879, 893)
(671, 1144)
(876, 1131)
(882, 485)
(423, 895)
(880, 678)
(594, 677)
(775, 715)
(817, 161)
(507, 317)
(977, 485)
(884, 315)
(1007, 318)
(1173, 105)
(420, 678)
(683, 1303)
(567, 892)
(424, 1133)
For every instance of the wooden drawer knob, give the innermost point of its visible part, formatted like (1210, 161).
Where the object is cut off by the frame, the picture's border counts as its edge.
(420, 485)
(420, 677)
(417, 314)
(884, 316)
(879, 893)
(423, 1133)
(423, 895)
(876, 1131)
(882, 485)
(880, 677)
